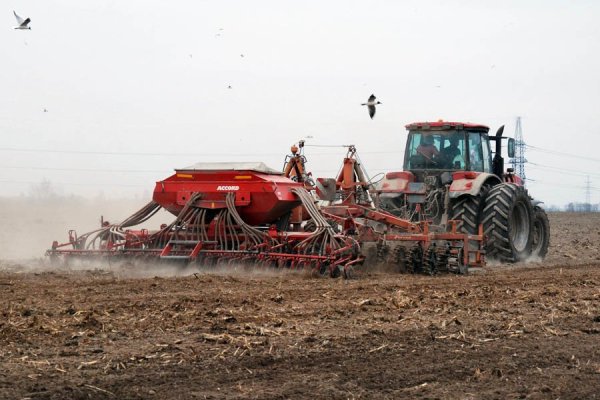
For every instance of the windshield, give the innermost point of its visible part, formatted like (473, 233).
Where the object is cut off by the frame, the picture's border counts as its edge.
(435, 150)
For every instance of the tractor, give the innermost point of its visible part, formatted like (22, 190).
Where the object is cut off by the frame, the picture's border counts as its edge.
(454, 173)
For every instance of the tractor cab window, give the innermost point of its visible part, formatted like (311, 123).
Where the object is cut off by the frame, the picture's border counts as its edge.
(487, 155)
(479, 153)
(429, 150)
(475, 152)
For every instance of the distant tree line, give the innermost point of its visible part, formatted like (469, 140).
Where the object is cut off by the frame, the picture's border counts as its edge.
(582, 207)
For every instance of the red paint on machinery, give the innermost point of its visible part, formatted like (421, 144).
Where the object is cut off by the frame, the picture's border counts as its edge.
(261, 194)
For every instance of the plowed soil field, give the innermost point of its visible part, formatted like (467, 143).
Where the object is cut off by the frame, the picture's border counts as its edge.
(521, 331)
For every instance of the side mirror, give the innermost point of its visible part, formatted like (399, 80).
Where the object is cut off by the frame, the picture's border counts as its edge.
(511, 147)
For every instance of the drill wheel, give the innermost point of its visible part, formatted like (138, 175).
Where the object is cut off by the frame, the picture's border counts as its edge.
(399, 259)
(430, 261)
(415, 259)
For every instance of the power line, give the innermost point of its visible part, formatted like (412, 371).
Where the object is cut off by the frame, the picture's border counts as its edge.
(74, 183)
(560, 170)
(562, 153)
(554, 184)
(154, 171)
(84, 169)
(116, 153)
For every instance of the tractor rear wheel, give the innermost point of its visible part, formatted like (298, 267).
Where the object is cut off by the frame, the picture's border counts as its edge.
(508, 222)
(541, 233)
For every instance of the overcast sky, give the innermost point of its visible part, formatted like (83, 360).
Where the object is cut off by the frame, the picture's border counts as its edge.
(153, 76)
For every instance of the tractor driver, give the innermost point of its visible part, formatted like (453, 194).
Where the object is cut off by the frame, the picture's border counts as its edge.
(450, 152)
(427, 149)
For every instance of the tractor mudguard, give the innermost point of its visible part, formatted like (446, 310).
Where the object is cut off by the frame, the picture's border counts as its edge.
(470, 182)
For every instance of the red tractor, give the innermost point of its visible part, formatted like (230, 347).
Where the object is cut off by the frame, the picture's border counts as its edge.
(455, 171)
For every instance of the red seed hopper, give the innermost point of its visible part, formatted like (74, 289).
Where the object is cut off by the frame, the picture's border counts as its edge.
(262, 194)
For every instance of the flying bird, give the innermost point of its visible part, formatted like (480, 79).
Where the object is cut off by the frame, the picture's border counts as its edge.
(23, 23)
(371, 103)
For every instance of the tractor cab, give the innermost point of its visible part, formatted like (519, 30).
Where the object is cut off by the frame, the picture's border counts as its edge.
(447, 146)
(443, 162)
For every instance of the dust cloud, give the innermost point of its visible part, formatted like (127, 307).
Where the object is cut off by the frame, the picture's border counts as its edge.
(29, 225)
(150, 270)
(134, 269)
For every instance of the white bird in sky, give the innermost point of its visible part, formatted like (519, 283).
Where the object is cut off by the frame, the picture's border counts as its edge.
(23, 23)
(371, 103)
